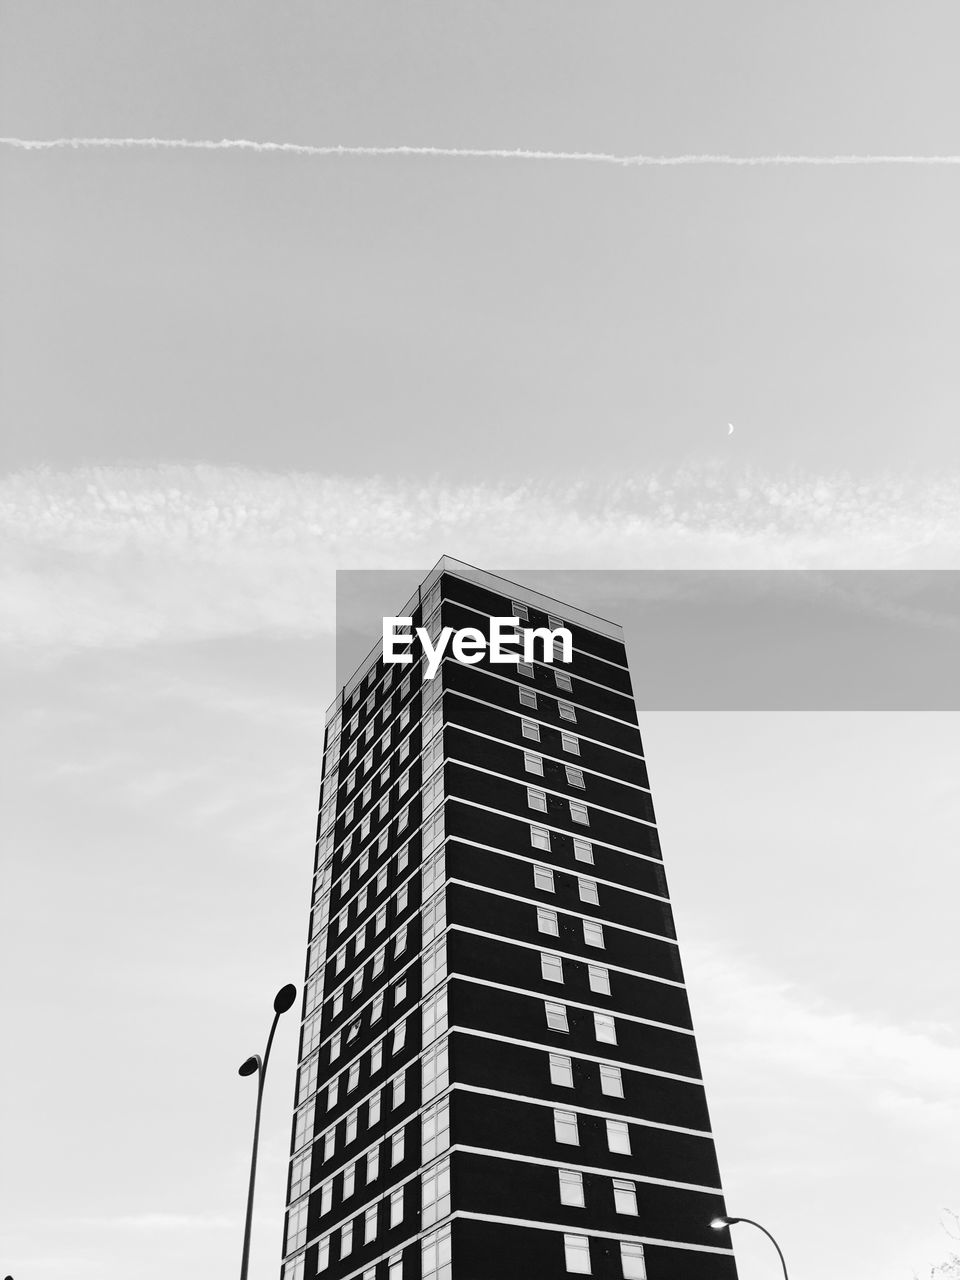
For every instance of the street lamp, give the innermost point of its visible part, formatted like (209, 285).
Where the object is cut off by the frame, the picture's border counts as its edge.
(257, 1065)
(719, 1223)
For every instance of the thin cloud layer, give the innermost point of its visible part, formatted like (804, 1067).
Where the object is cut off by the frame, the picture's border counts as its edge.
(122, 556)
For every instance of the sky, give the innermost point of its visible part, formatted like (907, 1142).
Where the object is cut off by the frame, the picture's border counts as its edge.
(225, 375)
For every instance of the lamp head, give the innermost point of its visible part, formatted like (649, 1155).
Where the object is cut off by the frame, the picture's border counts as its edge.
(251, 1066)
(719, 1223)
(284, 998)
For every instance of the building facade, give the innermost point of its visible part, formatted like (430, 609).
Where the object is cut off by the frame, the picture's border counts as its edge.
(498, 1074)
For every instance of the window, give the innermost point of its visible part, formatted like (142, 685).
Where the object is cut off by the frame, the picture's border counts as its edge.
(380, 921)
(396, 1207)
(556, 1016)
(346, 1239)
(329, 1141)
(402, 858)
(403, 894)
(574, 776)
(376, 1009)
(624, 1196)
(297, 1226)
(540, 837)
(543, 879)
(537, 799)
(582, 850)
(293, 1268)
(335, 1046)
(547, 921)
(528, 698)
(350, 1131)
(353, 1076)
(403, 819)
(592, 933)
(551, 968)
(571, 1187)
(565, 1128)
(396, 1147)
(399, 1035)
(576, 1252)
(605, 1028)
(394, 1268)
(533, 763)
(333, 1091)
(618, 1137)
(599, 979)
(525, 669)
(376, 1057)
(404, 784)
(433, 1071)
(578, 812)
(570, 743)
(530, 729)
(326, 1197)
(403, 752)
(434, 1131)
(373, 1165)
(563, 681)
(631, 1260)
(588, 891)
(435, 1192)
(400, 941)
(519, 611)
(323, 1254)
(370, 1225)
(435, 1261)
(373, 1110)
(381, 881)
(567, 711)
(354, 1030)
(378, 963)
(300, 1175)
(399, 1090)
(349, 1181)
(561, 1070)
(611, 1081)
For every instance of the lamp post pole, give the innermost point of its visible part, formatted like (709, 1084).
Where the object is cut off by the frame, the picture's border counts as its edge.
(282, 1002)
(719, 1223)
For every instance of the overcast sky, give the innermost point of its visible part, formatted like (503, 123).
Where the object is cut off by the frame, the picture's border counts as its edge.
(223, 375)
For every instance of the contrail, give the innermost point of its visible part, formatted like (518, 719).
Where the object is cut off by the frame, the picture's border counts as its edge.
(467, 153)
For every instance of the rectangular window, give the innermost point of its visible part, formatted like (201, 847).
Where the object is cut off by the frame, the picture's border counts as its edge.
(571, 1187)
(323, 1254)
(378, 963)
(326, 1197)
(403, 819)
(435, 1193)
(373, 1165)
(433, 1071)
(296, 1226)
(370, 1225)
(400, 941)
(551, 968)
(624, 1196)
(525, 669)
(556, 1016)
(605, 1028)
(592, 933)
(373, 1110)
(599, 979)
(350, 1131)
(563, 681)
(381, 881)
(333, 1092)
(561, 1070)
(376, 1057)
(631, 1261)
(611, 1081)
(380, 920)
(618, 1137)
(300, 1175)
(567, 711)
(530, 729)
(528, 698)
(403, 895)
(335, 1046)
(588, 891)
(578, 812)
(435, 1263)
(396, 1207)
(570, 743)
(565, 1128)
(533, 763)
(376, 1009)
(582, 850)
(574, 776)
(540, 837)
(399, 1089)
(547, 921)
(519, 611)
(396, 1147)
(364, 827)
(434, 1131)
(537, 799)
(543, 879)
(576, 1252)
(353, 1076)
(349, 1180)
(329, 1142)
(399, 1035)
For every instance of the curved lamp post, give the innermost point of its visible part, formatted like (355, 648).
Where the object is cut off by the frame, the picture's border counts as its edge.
(719, 1223)
(281, 1003)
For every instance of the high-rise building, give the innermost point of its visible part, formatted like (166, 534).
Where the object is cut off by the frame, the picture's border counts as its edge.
(498, 1074)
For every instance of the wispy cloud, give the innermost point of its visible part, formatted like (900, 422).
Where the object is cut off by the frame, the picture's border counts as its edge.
(626, 161)
(121, 556)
